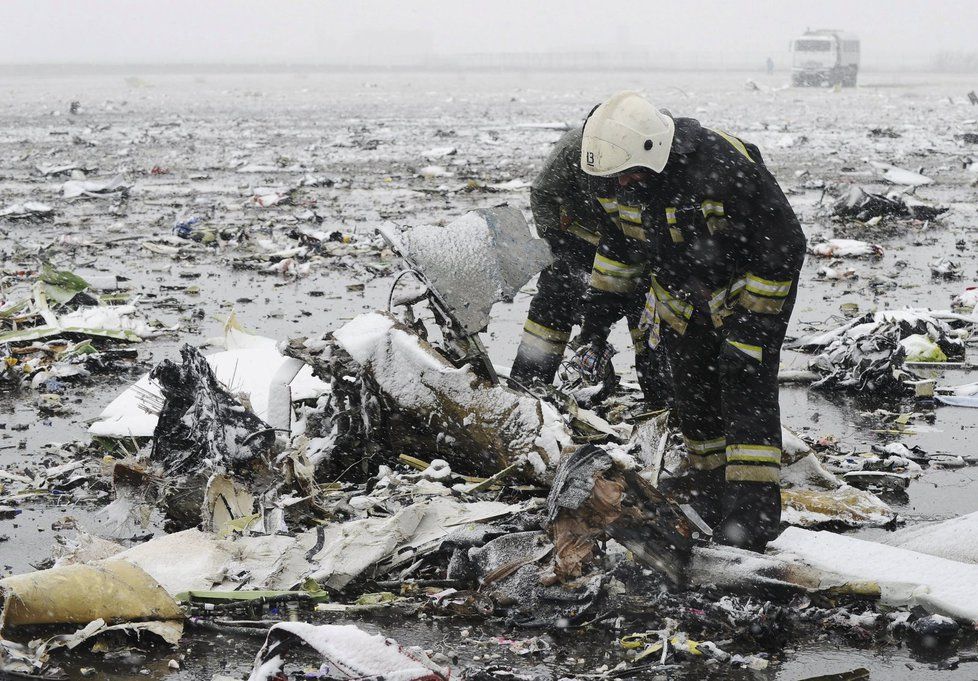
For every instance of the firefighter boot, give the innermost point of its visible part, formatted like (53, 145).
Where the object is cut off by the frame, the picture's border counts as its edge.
(703, 490)
(751, 515)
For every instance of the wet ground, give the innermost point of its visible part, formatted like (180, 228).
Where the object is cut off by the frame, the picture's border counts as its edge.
(219, 136)
(472, 645)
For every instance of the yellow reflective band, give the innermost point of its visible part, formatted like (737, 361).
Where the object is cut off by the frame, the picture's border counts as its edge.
(638, 339)
(649, 323)
(609, 205)
(737, 287)
(754, 351)
(717, 300)
(634, 231)
(707, 462)
(766, 287)
(630, 214)
(715, 224)
(611, 284)
(671, 318)
(706, 455)
(720, 302)
(759, 304)
(677, 236)
(671, 215)
(543, 346)
(583, 233)
(705, 446)
(648, 314)
(712, 208)
(668, 300)
(718, 309)
(754, 453)
(735, 143)
(737, 473)
(545, 332)
(654, 337)
(614, 268)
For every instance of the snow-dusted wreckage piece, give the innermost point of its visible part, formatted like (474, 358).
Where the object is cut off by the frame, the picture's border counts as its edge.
(391, 387)
(347, 652)
(112, 590)
(465, 267)
(475, 261)
(407, 392)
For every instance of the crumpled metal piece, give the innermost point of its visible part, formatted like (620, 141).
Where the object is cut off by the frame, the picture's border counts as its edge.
(114, 590)
(347, 653)
(203, 430)
(862, 205)
(866, 355)
(591, 496)
(869, 364)
(483, 257)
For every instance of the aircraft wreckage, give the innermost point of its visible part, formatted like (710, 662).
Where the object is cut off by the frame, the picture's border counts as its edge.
(384, 465)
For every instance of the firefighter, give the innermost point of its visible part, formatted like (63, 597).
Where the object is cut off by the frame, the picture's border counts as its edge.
(699, 212)
(567, 216)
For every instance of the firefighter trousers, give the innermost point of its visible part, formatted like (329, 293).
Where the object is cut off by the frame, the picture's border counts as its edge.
(557, 306)
(554, 311)
(726, 399)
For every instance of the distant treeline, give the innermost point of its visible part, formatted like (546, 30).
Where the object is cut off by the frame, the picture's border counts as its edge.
(960, 62)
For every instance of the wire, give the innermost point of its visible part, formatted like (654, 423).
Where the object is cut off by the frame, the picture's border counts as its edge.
(397, 279)
(512, 382)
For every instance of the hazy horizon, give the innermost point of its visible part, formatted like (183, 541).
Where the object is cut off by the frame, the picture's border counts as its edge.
(373, 32)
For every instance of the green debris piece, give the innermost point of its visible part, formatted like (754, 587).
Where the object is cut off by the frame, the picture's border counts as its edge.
(84, 347)
(120, 447)
(377, 598)
(14, 308)
(860, 674)
(312, 587)
(920, 348)
(493, 479)
(38, 332)
(241, 524)
(115, 298)
(61, 285)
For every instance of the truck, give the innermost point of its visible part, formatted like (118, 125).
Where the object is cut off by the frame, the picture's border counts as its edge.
(825, 58)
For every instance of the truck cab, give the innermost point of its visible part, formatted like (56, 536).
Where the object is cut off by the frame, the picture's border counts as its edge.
(825, 58)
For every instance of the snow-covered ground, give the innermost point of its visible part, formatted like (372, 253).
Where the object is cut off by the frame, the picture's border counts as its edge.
(424, 148)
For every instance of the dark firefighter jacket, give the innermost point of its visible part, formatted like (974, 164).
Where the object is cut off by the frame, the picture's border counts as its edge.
(714, 229)
(563, 207)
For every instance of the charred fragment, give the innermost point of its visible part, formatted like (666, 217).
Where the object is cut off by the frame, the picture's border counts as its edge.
(592, 497)
(202, 431)
(394, 392)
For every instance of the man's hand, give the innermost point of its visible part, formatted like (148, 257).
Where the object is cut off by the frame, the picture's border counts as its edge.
(593, 360)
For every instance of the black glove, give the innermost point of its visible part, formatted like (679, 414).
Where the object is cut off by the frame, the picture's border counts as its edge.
(593, 361)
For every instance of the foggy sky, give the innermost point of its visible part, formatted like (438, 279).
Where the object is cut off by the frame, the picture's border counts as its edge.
(328, 31)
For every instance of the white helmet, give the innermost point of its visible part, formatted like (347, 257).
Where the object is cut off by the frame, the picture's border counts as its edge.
(625, 132)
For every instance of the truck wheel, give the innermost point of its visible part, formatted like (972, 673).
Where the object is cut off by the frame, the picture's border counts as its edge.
(850, 79)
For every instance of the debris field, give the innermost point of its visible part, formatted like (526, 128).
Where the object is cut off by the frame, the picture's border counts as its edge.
(236, 442)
